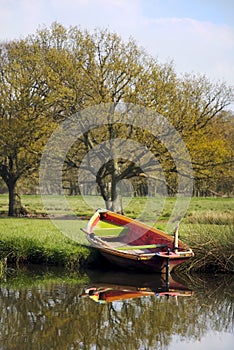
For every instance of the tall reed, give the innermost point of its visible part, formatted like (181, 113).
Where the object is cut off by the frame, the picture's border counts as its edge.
(213, 246)
(210, 217)
(3, 267)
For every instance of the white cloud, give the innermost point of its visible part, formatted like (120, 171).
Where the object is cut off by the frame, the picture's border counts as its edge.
(198, 46)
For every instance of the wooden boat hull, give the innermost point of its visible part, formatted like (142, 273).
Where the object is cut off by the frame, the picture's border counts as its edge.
(153, 264)
(136, 246)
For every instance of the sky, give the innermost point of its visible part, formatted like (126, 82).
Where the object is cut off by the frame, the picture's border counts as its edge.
(196, 35)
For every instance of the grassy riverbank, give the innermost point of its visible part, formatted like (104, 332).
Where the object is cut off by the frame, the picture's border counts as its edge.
(26, 240)
(207, 228)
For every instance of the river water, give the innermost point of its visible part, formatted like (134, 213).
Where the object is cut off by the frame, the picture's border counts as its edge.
(52, 309)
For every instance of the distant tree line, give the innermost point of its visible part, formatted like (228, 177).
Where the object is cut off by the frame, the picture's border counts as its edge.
(58, 71)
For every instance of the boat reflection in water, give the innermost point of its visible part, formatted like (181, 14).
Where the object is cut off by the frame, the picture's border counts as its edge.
(110, 287)
(43, 310)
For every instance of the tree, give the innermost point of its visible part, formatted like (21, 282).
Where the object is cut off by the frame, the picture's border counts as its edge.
(203, 125)
(86, 70)
(112, 71)
(197, 109)
(24, 122)
(212, 153)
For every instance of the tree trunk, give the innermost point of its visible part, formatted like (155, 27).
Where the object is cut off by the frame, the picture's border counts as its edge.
(109, 192)
(116, 197)
(107, 180)
(15, 207)
(115, 205)
(11, 191)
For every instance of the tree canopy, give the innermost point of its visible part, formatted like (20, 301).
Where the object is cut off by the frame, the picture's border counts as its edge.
(58, 71)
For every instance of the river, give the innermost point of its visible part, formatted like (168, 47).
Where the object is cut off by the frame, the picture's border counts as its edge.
(52, 309)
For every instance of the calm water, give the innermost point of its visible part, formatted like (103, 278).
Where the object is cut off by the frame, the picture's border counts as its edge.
(53, 310)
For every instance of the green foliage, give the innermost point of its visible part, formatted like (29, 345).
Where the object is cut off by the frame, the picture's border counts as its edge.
(58, 71)
(24, 110)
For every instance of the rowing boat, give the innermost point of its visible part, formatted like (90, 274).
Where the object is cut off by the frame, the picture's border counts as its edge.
(131, 244)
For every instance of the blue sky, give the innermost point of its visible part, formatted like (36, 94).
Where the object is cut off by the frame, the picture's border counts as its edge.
(217, 11)
(197, 35)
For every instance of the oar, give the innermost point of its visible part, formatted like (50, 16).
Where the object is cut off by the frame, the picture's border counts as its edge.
(147, 246)
(95, 238)
(176, 234)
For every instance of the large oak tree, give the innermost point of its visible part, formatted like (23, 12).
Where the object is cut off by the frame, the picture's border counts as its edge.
(24, 106)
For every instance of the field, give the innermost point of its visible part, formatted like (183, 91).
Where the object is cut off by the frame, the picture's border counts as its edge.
(207, 227)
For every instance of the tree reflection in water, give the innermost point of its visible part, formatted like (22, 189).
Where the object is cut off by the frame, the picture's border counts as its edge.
(52, 314)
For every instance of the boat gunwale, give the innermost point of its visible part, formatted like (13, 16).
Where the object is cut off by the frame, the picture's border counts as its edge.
(96, 217)
(136, 255)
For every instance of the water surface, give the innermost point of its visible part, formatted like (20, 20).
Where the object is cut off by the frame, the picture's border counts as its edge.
(52, 309)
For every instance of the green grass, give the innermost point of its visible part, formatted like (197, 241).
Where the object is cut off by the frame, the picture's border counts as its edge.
(133, 207)
(24, 240)
(207, 227)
